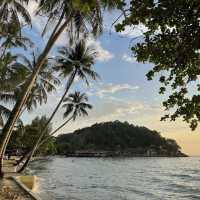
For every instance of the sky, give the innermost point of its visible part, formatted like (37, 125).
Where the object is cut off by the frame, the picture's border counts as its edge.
(123, 92)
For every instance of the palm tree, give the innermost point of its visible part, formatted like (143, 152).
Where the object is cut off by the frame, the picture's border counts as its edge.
(13, 38)
(9, 76)
(76, 61)
(13, 11)
(65, 14)
(76, 105)
(71, 62)
(45, 83)
(4, 115)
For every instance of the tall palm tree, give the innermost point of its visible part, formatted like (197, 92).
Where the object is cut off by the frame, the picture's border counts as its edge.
(71, 62)
(75, 105)
(65, 12)
(9, 75)
(8, 80)
(44, 84)
(80, 14)
(4, 115)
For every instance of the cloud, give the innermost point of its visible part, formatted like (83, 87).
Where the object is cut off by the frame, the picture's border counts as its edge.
(103, 55)
(32, 7)
(116, 110)
(129, 108)
(111, 88)
(38, 21)
(134, 31)
(131, 31)
(129, 59)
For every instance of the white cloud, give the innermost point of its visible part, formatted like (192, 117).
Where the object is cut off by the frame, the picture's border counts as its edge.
(116, 110)
(134, 31)
(129, 59)
(103, 55)
(130, 108)
(37, 21)
(114, 88)
(32, 7)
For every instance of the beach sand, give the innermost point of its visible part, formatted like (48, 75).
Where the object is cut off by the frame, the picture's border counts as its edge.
(9, 189)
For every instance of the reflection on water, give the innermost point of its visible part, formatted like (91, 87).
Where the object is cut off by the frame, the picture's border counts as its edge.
(118, 179)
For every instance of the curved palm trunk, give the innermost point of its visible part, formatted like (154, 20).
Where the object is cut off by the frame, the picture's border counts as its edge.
(54, 132)
(7, 130)
(4, 52)
(22, 158)
(42, 142)
(70, 81)
(8, 138)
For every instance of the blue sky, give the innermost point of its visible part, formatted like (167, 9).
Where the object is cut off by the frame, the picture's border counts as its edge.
(123, 93)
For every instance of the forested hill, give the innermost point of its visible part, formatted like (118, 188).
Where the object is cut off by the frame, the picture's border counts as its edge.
(118, 137)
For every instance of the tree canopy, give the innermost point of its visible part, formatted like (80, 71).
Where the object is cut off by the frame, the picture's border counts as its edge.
(24, 136)
(114, 136)
(171, 41)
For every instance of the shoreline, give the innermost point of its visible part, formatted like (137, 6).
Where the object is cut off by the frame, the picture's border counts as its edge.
(86, 156)
(105, 154)
(12, 185)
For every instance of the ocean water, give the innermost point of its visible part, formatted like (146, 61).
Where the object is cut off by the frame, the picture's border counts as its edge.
(118, 179)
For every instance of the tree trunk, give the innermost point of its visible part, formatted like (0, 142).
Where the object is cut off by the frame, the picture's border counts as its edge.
(41, 143)
(26, 163)
(22, 158)
(8, 138)
(54, 132)
(7, 130)
(70, 81)
(4, 52)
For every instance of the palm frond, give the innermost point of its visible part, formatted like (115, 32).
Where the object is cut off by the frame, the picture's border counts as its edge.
(79, 58)
(4, 114)
(76, 104)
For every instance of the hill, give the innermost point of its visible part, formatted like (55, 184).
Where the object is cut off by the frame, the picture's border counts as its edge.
(116, 139)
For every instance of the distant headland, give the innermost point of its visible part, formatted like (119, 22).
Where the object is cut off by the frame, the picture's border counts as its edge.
(112, 139)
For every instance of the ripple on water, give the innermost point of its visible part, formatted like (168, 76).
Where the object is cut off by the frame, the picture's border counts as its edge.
(119, 179)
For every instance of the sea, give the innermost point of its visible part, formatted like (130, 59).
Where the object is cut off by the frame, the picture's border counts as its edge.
(136, 178)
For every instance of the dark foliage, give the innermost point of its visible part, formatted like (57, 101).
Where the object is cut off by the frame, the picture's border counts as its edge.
(171, 41)
(112, 136)
(24, 137)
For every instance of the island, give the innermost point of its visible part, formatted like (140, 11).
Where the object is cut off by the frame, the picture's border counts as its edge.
(115, 139)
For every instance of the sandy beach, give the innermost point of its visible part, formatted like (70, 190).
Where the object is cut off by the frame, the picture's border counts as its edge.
(9, 189)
